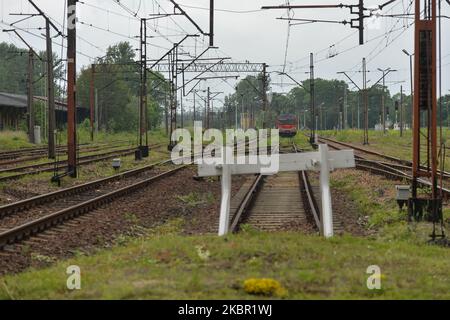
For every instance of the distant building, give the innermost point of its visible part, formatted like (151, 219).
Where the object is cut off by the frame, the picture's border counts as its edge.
(13, 109)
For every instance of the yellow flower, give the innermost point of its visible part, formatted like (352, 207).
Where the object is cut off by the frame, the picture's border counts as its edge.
(264, 287)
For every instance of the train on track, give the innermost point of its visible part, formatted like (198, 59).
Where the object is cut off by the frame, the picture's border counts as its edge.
(287, 124)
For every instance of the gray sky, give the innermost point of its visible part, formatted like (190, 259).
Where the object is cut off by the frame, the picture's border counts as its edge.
(243, 32)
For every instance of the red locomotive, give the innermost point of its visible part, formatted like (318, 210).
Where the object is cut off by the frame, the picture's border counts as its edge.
(287, 125)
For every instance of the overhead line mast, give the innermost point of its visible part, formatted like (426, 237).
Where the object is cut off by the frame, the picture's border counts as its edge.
(425, 107)
(355, 9)
(71, 88)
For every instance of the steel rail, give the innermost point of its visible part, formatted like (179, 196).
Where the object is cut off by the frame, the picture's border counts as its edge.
(48, 197)
(386, 169)
(43, 153)
(34, 227)
(378, 154)
(7, 154)
(50, 169)
(308, 195)
(60, 162)
(246, 203)
(31, 228)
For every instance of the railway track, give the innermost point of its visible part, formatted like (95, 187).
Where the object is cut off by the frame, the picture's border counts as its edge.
(24, 158)
(21, 220)
(11, 173)
(30, 217)
(286, 201)
(42, 151)
(393, 168)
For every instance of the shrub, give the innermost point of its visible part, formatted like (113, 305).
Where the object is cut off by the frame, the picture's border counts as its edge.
(264, 287)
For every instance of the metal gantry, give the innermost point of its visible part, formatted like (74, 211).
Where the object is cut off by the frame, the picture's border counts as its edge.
(425, 107)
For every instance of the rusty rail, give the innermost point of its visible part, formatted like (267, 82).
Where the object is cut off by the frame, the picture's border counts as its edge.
(34, 227)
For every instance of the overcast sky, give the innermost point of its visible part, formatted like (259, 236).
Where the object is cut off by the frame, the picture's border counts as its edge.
(244, 33)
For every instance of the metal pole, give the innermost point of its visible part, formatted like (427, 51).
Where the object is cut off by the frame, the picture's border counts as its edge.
(358, 111)
(195, 114)
(242, 104)
(208, 99)
(50, 94)
(92, 101)
(401, 111)
(265, 102)
(143, 103)
(361, 21)
(211, 23)
(312, 99)
(96, 112)
(366, 103)
(327, 212)
(345, 108)
(383, 111)
(181, 108)
(71, 88)
(412, 87)
(31, 119)
(236, 116)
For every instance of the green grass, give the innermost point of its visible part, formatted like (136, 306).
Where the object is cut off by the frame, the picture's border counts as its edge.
(11, 140)
(376, 204)
(390, 143)
(169, 266)
(84, 136)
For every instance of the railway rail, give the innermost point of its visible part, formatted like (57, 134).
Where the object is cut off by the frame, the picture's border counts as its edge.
(35, 151)
(394, 168)
(29, 217)
(24, 219)
(33, 156)
(284, 201)
(11, 173)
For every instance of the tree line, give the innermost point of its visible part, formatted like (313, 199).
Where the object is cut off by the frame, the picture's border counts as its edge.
(117, 82)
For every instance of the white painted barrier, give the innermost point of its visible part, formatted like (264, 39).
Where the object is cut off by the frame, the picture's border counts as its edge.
(323, 160)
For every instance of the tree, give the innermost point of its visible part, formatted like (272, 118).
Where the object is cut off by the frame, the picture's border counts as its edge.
(117, 81)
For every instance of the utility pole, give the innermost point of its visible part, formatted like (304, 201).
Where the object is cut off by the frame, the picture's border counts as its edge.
(265, 101)
(211, 23)
(410, 56)
(50, 93)
(345, 108)
(312, 100)
(425, 107)
(96, 107)
(143, 119)
(50, 80)
(31, 119)
(195, 114)
(181, 108)
(242, 108)
(385, 72)
(71, 88)
(366, 103)
(208, 102)
(92, 101)
(30, 83)
(401, 111)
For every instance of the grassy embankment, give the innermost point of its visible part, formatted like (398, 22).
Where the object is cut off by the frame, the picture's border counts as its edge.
(390, 143)
(11, 140)
(91, 171)
(166, 264)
